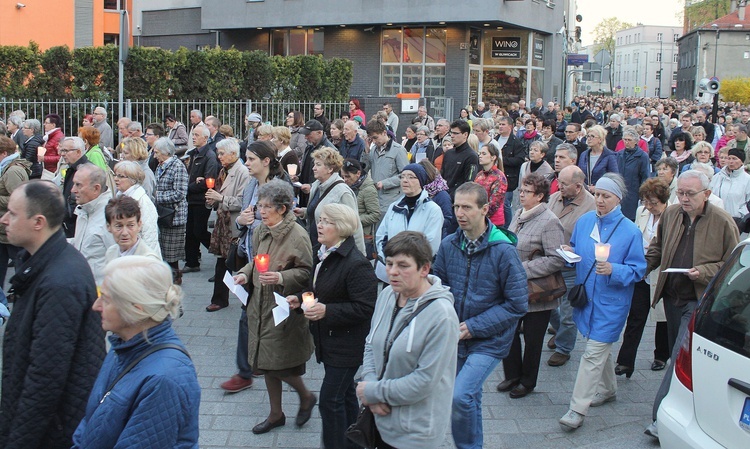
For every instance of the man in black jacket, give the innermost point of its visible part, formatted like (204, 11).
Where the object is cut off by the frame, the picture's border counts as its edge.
(514, 155)
(203, 165)
(54, 343)
(460, 164)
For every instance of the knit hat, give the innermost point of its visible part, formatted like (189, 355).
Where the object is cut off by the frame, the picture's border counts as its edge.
(736, 152)
(607, 184)
(419, 171)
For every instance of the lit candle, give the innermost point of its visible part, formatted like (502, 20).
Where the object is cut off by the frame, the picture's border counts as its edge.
(210, 183)
(601, 252)
(261, 262)
(308, 300)
(291, 169)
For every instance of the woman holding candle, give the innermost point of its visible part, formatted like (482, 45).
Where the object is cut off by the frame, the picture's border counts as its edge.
(225, 197)
(609, 287)
(346, 288)
(279, 352)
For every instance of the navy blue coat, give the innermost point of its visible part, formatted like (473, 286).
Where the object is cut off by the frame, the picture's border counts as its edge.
(607, 163)
(155, 405)
(634, 166)
(489, 288)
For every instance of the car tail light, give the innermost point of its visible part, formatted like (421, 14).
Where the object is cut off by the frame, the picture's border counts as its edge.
(683, 367)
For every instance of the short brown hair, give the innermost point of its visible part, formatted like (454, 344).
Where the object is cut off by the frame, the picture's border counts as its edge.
(655, 188)
(7, 145)
(410, 244)
(538, 183)
(330, 157)
(479, 192)
(122, 207)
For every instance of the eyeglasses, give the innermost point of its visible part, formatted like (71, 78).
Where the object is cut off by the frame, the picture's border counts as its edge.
(526, 192)
(652, 203)
(570, 132)
(681, 193)
(591, 136)
(66, 151)
(456, 133)
(150, 135)
(407, 177)
(121, 176)
(325, 222)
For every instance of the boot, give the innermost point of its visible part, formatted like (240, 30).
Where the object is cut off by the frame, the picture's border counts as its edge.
(177, 277)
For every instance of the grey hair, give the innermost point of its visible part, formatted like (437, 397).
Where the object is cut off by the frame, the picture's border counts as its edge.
(569, 148)
(16, 120)
(279, 193)
(77, 142)
(615, 117)
(229, 145)
(619, 180)
(18, 113)
(203, 130)
(706, 169)
(695, 174)
(630, 131)
(101, 109)
(541, 145)
(640, 109)
(96, 174)
(135, 126)
(669, 162)
(674, 122)
(444, 121)
(344, 218)
(425, 130)
(198, 113)
(34, 125)
(132, 170)
(741, 127)
(164, 146)
(483, 124)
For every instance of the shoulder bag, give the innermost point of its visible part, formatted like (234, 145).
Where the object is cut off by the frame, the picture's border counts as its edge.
(235, 261)
(364, 431)
(166, 215)
(577, 296)
(547, 288)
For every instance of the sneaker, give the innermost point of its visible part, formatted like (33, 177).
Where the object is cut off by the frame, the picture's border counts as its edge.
(558, 359)
(600, 399)
(652, 430)
(571, 420)
(236, 384)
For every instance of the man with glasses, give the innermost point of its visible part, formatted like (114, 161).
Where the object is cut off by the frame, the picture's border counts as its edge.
(442, 133)
(393, 119)
(423, 119)
(698, 238)
(71, 151)
(573, 137)
(461, 164)
(319, 114)
(105, 131)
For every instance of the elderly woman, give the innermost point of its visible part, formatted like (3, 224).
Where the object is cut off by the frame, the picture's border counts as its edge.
(32, 140)
(134, 149)
(702, 153)
(328, 188)
(681, 146)
(423, 148)
(667, 170)
(423, 356)
(598, 159)
(698, 133)
(226, 199)
(654, 194)
(732, 184)
(537, 162)
(437, 189)
(129, 182)
(159, 398)
(177, 132)
(368, 204)
(90, 136)
(123, 216)
(609, 291)
(493, 180)
(346, 289)
(279, 352)
(539, 234)
(281, 137)
(529, 133)
(412, 211)
(53, 135)
(410, 137)
(634, 166)
(264, 132)
(171, 194)
(294, 121)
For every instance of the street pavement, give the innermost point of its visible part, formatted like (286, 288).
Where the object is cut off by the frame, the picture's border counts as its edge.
(226, 419)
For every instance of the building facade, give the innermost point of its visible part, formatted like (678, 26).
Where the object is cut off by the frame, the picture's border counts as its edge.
(645, 62)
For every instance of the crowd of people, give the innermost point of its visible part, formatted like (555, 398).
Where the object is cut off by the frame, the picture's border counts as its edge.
(412, 267)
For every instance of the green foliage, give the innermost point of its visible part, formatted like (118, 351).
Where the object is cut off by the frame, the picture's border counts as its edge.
(701, 13)
(735, 89)
(156, 74)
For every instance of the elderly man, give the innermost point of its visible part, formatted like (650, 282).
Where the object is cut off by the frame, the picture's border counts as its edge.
(568, 204)
(423, 119)
(393, 119)
(196, 119)
(53, 344)
(698, 237)
(353, 146)
(203, 164)
(123, 216)
(15, 125)
(386, 158)
(479, 111)
(316, 138)
(71, 153)
(637, 118)
(461, 164)
(91, 236)
(135, 129)
(551, 112)
(122, 127)
(105, 131)
(442, 133)
(614, 132)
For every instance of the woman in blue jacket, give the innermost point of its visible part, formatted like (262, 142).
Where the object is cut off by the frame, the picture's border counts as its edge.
(155, 404)
(598, 159)
(609, 289)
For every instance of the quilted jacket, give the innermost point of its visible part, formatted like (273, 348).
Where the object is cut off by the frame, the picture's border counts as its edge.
(53, 348)
(489, 288)
(155, 405)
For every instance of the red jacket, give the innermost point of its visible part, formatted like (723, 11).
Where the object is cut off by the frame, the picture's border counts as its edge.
(51, 157)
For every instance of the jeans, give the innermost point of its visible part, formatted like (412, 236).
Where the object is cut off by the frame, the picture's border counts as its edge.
(196, 233)
(508, 208)
(243, 364)
(466, 418)
(565, 339)
(338, 406)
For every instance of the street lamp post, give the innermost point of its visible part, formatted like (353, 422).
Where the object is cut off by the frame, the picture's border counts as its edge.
(645, 75)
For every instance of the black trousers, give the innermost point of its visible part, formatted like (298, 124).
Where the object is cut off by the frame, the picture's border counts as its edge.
(221, 291)
(526, 366)
(639, 308)
(7, 252)
(197, 233)
(661, 342)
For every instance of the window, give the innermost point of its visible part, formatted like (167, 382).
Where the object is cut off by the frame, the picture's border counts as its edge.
(297, 42)
(113, 39)
(675, 37)
(657, 92)
(111, 4)
(658, 75)
(676, 57)
(658, 57)
(746, 55)
(674, 76)
(413, 61)
(659, 37)
(635, 57)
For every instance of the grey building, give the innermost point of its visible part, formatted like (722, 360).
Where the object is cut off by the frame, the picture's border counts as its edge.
(508, 50)
(720, 48)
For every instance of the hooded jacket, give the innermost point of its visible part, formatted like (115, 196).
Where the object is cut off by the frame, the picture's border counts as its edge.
(733, 187)
(489, 288)
(418, 380)
(426, 218)
(92, 237)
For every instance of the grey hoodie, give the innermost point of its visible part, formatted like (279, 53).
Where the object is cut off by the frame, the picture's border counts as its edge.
(421, 371)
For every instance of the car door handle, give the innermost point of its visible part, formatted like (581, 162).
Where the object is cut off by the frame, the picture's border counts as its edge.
(740, 385)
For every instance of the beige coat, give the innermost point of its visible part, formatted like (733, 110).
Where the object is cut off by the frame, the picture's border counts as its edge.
(231, 190)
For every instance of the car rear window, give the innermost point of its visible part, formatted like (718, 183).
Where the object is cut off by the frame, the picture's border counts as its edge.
(724, 315)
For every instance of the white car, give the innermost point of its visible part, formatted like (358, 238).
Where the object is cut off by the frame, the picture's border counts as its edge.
(708, 405)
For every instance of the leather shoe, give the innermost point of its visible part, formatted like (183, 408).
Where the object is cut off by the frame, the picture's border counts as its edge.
(267, 425)
(551, 343)
(236, 384)
(214, 307)
(188, 269)
(305, 412)
(212, 278)
(658, 365)
(508, 384)
(520, 391)
(558, 359)
(622, 369)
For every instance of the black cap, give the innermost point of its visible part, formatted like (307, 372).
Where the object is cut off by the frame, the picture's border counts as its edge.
(311, 125)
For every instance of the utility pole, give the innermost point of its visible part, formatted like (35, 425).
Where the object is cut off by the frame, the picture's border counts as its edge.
(123, 56)
(645, 75)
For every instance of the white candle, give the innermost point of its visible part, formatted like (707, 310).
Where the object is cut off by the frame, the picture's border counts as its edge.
(308, 300)
(291, 169)
(601, 252)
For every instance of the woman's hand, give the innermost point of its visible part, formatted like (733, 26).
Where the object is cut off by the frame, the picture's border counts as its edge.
(380, 409)
(213, 195)
(246, 217)
(199, 179)
(240, 279)
(305, 188)
(592, 189)
(316, 312)
(604, 268)
(269, 278)
(299, 212)
(294, 178)
(566, 248)
(361, 393)
(293, 302)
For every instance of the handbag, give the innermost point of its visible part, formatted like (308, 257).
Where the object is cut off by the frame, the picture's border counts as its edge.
(364, 431)
(547, 288)
(235, 261)
(577, 295)
(166, 216)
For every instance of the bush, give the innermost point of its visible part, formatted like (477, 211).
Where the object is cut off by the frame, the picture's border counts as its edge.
(736, 89)
(18, 67)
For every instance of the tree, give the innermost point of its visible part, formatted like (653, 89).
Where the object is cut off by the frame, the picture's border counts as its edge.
(736, 89)
(604, 38)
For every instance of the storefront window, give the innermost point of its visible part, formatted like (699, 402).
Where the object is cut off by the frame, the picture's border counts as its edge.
(536, 87)
(413, 61)
(505, 85)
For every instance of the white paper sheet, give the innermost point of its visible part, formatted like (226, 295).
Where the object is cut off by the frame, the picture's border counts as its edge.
(569, 256)
(676, 270)
(281, 311)
(238, 290)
